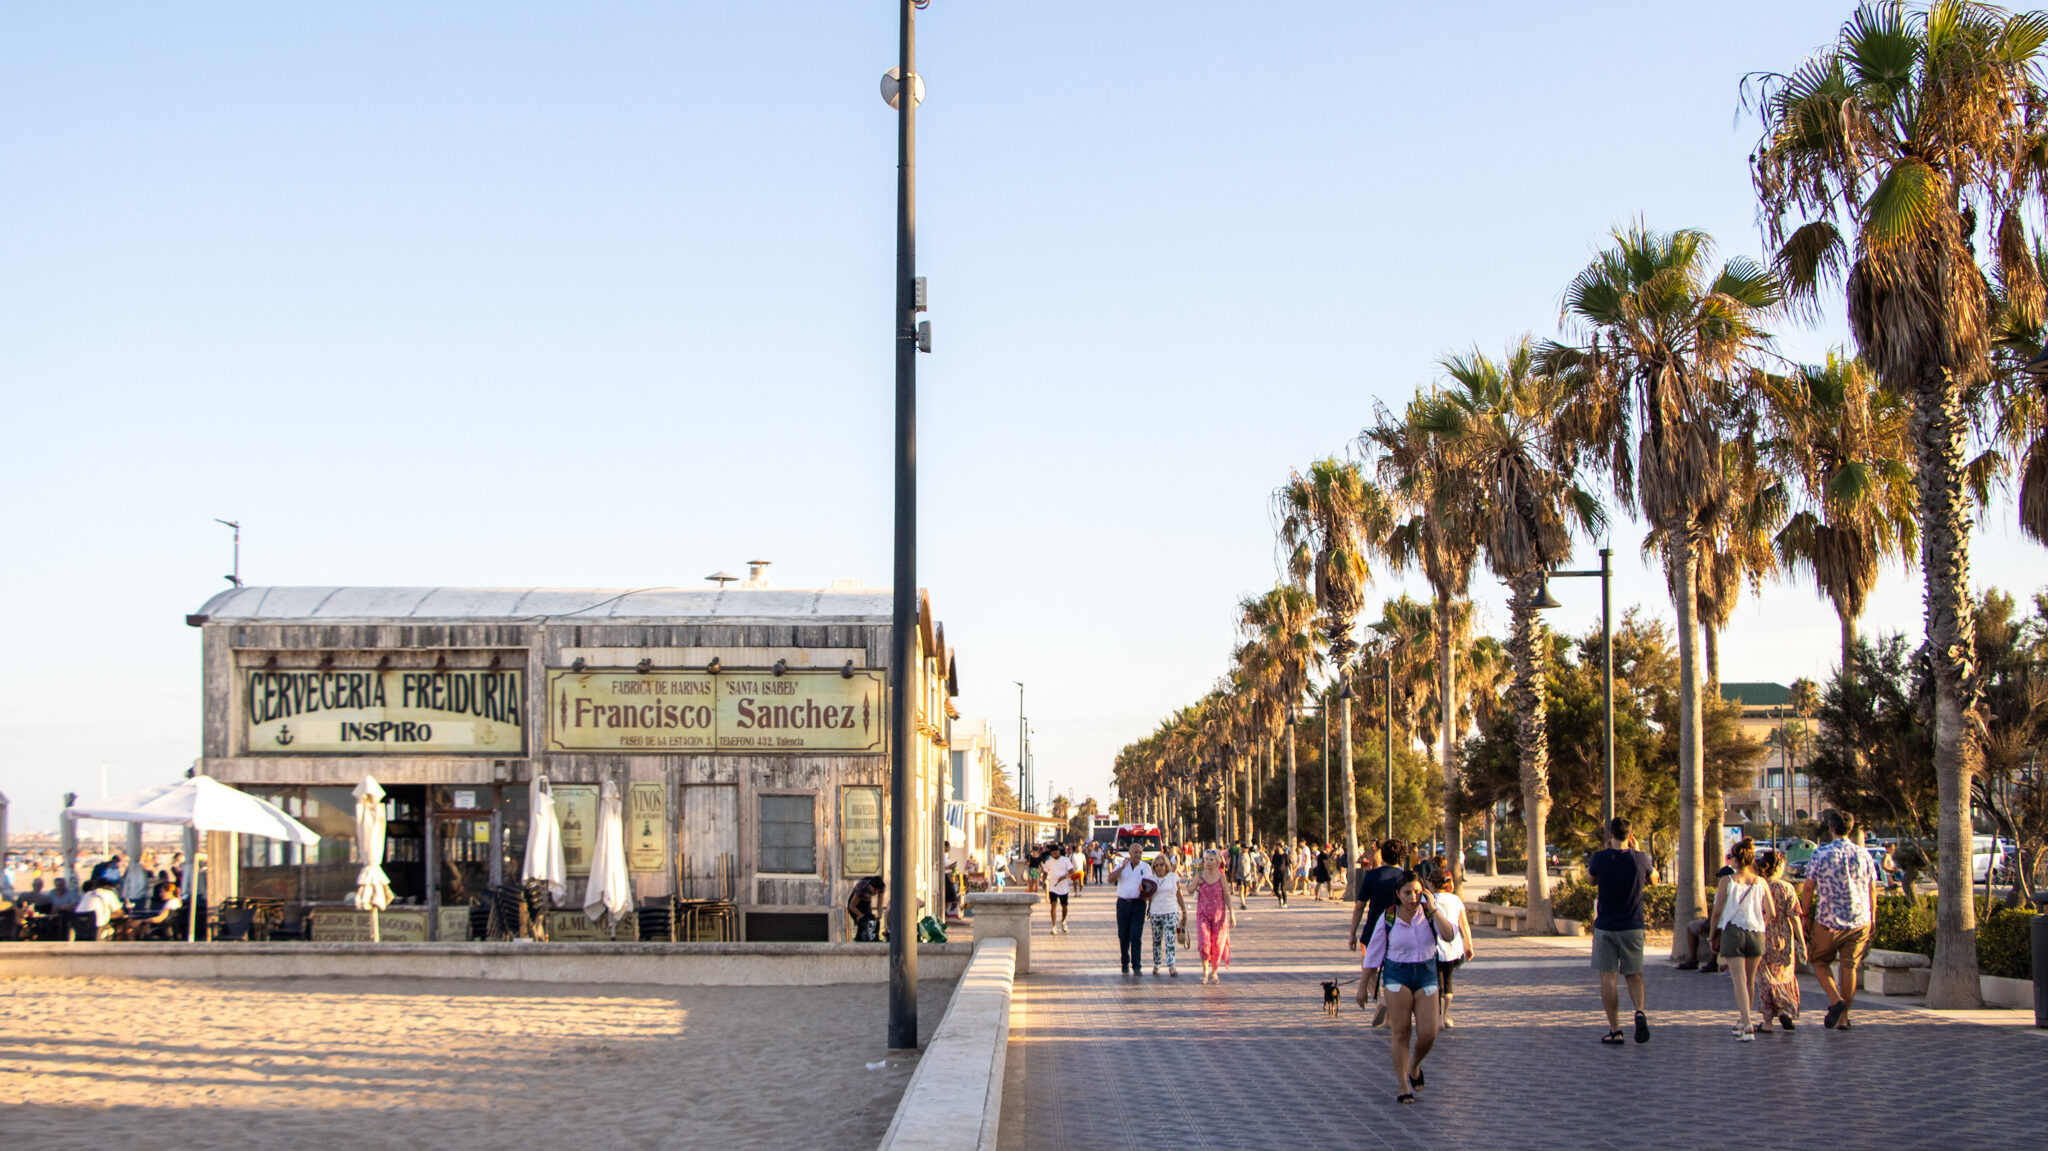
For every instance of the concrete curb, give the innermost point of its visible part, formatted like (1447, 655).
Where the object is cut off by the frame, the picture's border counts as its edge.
(661, 964)
(955, 1098)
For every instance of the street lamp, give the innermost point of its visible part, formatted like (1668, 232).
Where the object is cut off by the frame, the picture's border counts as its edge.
(1385, 678)
(1545, 600)
(903, 92)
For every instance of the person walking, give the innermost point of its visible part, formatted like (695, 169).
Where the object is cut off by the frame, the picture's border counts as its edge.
(1281, 874)
(1403, 948)
(1079, 862)
(1320, 872)
(1059, 886)
(1241, 874)
(1776, 991)
(1168, 908)
(1454, 949)
(1739, 919)
(1130, 875)
(1213, 917)
(1620, 871)
(1840, 893)
(1371, 896)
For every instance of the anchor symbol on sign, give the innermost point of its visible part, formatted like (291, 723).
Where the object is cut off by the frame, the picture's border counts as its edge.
(284, 735)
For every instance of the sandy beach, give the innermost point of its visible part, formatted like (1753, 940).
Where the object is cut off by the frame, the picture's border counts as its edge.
(447, 1064)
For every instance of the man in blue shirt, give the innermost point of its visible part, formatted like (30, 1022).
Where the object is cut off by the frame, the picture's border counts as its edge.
(1620, 871)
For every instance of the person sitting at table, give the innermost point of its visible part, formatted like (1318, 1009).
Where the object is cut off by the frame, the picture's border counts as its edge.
(63, 900)
(36, 897)
(100, 902)
(167, 903)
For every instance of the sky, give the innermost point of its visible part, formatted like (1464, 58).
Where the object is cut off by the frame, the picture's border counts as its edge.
(513, 294)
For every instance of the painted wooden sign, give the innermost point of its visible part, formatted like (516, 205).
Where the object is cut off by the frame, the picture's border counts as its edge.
(646, 826)
(802, 711)
(391, 712)
(860, 831)
(576, 810)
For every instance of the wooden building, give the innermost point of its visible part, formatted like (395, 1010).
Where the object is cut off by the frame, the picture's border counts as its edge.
(746, 729)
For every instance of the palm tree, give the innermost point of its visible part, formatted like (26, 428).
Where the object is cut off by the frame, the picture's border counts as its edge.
(1329, 518)
(1281, 623)
(1840, 437)
(1505, 414)
(1878, 155)
(1667, 338)
(1439, 484)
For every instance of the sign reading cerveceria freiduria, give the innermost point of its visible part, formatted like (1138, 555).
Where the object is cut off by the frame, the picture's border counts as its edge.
(391, 711)
(667, 711)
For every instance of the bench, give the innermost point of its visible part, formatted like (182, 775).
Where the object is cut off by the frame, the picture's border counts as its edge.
(1894, 973)
(1505, 918)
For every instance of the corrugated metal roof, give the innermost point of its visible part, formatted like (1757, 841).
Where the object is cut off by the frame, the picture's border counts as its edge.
(281, 604)
(1757, 694)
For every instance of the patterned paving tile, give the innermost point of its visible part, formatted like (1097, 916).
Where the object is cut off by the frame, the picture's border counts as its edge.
(1104, 1061)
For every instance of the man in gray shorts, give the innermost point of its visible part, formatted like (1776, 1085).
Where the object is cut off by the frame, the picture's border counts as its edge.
(1620, 871)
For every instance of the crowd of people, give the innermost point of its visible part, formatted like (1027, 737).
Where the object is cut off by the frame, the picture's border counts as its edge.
(1410, 925)
(143, 895)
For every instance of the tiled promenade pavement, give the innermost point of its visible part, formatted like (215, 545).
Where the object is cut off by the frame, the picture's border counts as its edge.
(1100, 1061)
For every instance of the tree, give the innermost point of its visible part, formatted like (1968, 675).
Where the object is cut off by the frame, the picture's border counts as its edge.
(1504, 414)
(1281, 624)
(1439, 484)
(1878, 157)
(1873, 756)
(1667, 339)
(1329, 518)
(1840, 436)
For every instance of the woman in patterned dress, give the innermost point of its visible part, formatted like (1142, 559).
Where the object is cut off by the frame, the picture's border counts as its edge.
(1213, 917)
(1777, 978)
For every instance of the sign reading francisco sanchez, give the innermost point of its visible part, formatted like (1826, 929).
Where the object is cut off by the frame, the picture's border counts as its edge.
(802, 710)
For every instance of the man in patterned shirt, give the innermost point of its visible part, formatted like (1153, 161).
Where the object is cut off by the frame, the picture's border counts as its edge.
(1840, 894)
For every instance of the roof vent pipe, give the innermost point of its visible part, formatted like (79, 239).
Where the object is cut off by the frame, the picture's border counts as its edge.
(757, 574)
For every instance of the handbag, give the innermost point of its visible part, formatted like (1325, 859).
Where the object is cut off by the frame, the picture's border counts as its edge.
(1147, 889)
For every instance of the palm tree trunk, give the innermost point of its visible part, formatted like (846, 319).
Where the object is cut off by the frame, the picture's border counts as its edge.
(1250, 775)
(1938, 430)
(1532, 742)
(1692, 893)
(1848, 623)
(1714, 806)
(1292, 838)
(1492, 843)
(1446, 729)
(1350, 790)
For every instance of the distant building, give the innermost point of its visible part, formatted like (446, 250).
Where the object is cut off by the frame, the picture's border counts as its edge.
(1779, 792)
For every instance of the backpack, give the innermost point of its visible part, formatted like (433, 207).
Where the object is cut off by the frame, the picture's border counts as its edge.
(1387, 921)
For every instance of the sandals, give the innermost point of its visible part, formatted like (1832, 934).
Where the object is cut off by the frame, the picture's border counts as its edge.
(1405, 1097)
(1614, 1038)
(1785, 1021)
(1642, 1028)
(1415, 1080)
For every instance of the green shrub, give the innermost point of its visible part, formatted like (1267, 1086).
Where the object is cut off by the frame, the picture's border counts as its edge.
(2005, 944)
(1904, 925)
(1659, 902)
(1572, 901)
(1510, 895)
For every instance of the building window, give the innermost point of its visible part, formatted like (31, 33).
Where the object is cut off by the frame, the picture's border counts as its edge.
(789, 835)
(959, 775)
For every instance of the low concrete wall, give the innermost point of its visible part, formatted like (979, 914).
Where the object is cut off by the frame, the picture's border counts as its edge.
(955, 1098)
(673, 964)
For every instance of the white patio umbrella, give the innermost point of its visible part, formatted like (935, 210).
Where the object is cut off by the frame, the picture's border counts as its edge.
(544, 858)
(201, 804)
(610, 892)
(373, 887)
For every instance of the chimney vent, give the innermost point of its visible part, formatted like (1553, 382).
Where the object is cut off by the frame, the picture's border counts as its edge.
(757, 574)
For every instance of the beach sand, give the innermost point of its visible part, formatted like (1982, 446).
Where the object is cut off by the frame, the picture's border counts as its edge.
(348, 1063)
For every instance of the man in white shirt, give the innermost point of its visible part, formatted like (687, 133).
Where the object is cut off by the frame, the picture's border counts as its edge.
(100, 902)
(1130, 874)
(1059, 883)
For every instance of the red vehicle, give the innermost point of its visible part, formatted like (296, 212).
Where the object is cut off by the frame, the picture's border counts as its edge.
(1147, 836)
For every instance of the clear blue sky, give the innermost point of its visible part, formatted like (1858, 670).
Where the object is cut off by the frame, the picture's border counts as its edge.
(511, 294)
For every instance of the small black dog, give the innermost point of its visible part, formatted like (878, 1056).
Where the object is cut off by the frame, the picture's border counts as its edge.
(1331, 1000)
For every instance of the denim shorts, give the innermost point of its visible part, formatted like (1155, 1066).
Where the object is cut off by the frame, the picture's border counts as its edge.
(1416, 977)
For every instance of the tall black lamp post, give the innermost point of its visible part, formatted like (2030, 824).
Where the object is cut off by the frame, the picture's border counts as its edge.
(904, 91)
(1605, 574)
(1385, 678)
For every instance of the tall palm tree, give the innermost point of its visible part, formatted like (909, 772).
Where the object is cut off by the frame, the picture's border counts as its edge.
(1878, 155)
(1667, 337)
(1439, 485)
(1281, 623)
(1840, 437)
(1505, 413)
(1332, 519)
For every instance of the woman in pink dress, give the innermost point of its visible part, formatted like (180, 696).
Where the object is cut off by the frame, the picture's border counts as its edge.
(1214, 917)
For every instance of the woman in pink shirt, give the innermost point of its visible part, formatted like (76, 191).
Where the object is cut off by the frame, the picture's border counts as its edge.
(1402, 946)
